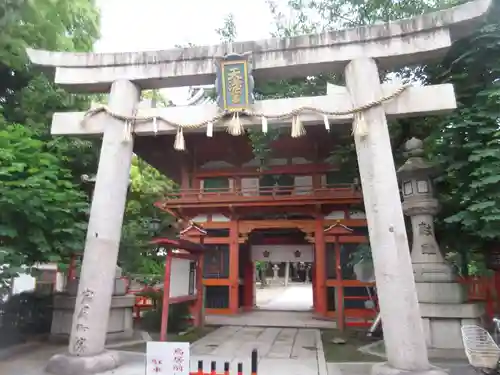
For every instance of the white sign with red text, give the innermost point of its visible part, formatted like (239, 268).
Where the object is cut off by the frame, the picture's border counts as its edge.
(167, 358)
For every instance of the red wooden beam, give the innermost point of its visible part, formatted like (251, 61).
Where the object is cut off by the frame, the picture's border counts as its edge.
(166, 296)
(199, 318)
(221, 202)
(72, 269)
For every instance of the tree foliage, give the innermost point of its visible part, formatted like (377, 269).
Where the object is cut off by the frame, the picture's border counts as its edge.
(42, 212)
(147, 186)
(465, 143)
(309, 16)
(42, 203)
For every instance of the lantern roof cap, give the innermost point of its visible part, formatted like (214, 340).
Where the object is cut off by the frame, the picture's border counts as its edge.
(414, 147)
(416, 166)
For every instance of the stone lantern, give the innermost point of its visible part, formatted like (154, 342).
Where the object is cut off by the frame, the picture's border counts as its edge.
(441, 298)
(421, 206)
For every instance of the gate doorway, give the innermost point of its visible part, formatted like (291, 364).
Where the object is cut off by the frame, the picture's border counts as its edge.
(283, 267)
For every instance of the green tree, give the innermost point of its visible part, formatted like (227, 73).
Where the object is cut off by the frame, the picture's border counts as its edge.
(147, 186)
(45, 24)
(310, 16)
(157, 99)
(28, 96)
(42, 212)
(467, 142)
(43, 205)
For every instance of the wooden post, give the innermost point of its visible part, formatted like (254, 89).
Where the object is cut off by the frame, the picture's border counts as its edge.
(248, 281)
(316, 182)
(203, 289)
(313, 283)
(199, 318)
(166, 296)
(71, 269)
(320, 262)
(234, 247)
(339, 289)
(54, 285)
(197, 190)
(237, 185)
(254, 285)
(495, 299)
(185, 185)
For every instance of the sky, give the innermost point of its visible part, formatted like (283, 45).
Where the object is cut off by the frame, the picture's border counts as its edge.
(142, 25)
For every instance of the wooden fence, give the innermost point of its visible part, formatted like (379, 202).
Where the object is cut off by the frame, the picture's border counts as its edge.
(482, 289)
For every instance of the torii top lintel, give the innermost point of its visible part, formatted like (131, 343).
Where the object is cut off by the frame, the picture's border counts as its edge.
(393, 44)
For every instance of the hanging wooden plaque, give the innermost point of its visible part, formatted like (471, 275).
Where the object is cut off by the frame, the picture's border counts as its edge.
(234, 82)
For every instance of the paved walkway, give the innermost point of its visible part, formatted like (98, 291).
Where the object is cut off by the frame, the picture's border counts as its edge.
(278, 306)
(364, 368)
(287, 351)
(31, 362)
(294, 297)
(260, 318)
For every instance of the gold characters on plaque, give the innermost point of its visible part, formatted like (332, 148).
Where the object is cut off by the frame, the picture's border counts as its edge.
(235, 85)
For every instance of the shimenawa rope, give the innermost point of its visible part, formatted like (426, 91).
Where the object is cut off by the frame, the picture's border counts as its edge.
(235, 127)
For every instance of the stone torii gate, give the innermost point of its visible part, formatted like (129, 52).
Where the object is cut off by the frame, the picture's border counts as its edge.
(359, 53)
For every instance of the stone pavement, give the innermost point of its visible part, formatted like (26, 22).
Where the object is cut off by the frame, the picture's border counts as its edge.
(282, 351)
(278, 306)
(260, 318)
(31, 362)
(363, 368)
(267, 294)
(294, 297)
(287, 351)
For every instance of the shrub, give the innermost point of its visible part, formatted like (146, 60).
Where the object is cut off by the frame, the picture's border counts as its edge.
(178, 314)
(24, 315)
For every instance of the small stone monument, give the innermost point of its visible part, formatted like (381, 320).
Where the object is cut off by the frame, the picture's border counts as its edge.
(441, 298)
(120, 323)
(276, 269)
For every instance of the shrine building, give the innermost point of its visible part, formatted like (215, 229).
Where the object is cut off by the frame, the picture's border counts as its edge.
(296, 208)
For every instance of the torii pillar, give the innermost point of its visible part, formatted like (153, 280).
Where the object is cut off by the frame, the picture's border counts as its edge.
(391, 254)
(356, 51)
(90, 319)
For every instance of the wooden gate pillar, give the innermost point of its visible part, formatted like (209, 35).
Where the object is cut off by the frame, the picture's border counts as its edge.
(313, 282)
(234, 257)
(320, 268)
(249, 278)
